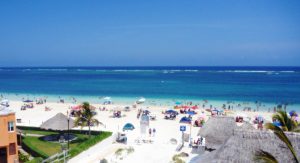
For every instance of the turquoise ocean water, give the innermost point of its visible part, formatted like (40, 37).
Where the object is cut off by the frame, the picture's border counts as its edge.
(269, 85)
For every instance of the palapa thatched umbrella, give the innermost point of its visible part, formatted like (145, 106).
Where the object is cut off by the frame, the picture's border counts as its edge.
(239, 144)
(59, 123)
(241, 147)
(217, 130)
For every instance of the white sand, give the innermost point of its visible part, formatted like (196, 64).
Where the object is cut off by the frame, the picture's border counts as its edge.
(160, 151)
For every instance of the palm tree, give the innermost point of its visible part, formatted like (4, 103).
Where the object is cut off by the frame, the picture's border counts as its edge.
(279, 132)
(86, 117)
(287, 123)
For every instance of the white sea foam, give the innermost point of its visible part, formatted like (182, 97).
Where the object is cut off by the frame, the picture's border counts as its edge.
(126, 70)
(45, 69)
(80, 70)
(246, 71)
(287, 71)
(191, 70)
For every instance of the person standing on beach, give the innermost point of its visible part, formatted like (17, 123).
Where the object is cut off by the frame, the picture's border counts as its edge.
(153, 132)
(150, 131)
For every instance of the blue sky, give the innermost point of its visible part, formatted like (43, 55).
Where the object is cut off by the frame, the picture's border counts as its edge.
(149, 33)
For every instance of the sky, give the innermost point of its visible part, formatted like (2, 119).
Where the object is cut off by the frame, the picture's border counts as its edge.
(150, 33)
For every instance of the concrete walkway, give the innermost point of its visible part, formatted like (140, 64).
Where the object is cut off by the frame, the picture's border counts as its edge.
(96, 152)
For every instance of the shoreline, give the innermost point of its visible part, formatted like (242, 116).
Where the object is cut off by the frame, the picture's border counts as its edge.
(161, 102)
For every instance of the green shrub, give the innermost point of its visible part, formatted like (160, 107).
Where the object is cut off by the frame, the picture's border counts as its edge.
(35, 160)
(119, 151)
(23, 157)
(39, 148)
(88, 143)
(177, 159)
(130, 150)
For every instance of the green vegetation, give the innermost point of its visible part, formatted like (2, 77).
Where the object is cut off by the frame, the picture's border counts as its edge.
(121, 150)
(35, 160)
(44, 149)
(86, 117)
(288, 124)
(88, 143)
(177, 158)
(23, 157)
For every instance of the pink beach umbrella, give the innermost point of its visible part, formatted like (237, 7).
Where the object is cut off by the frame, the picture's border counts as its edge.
(194, 107)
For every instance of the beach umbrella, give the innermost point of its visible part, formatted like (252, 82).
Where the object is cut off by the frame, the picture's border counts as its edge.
(277, 123)
(191, 113)
(171, 112)
(28, 101)
(59, 122)
(178, 103)
(185, 120)
(128, 126)
(76, 108)
(194, 107)
(185, 107)
(293, 113)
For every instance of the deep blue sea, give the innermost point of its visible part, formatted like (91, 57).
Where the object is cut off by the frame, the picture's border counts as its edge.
(266, 84)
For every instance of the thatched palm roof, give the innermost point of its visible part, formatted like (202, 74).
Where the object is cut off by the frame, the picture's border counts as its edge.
(217, 130)
(58, 122)
(241, 147)
(246, 126)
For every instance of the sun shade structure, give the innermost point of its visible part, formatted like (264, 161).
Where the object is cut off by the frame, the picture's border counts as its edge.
(178, 103)
(27, 101)
(243, 144)
(80, 107)
(59, 122)
(185, 120)
(128, 126)
(239, 144)
(191, 113)
(171, 112)
(217, 130)
(293, 113)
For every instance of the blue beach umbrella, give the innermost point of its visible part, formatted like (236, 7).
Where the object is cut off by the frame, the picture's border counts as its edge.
(276, 123)
(128, 126)
(185, 120)
(293, 113)
(178, 103)
(191, 113)
(171, 112)
(28, 101)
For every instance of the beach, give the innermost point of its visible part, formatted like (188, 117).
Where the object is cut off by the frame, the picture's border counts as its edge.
(247, 92)
(166, 129)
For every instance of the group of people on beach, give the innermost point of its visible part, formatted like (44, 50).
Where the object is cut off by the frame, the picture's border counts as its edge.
(152, 132)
